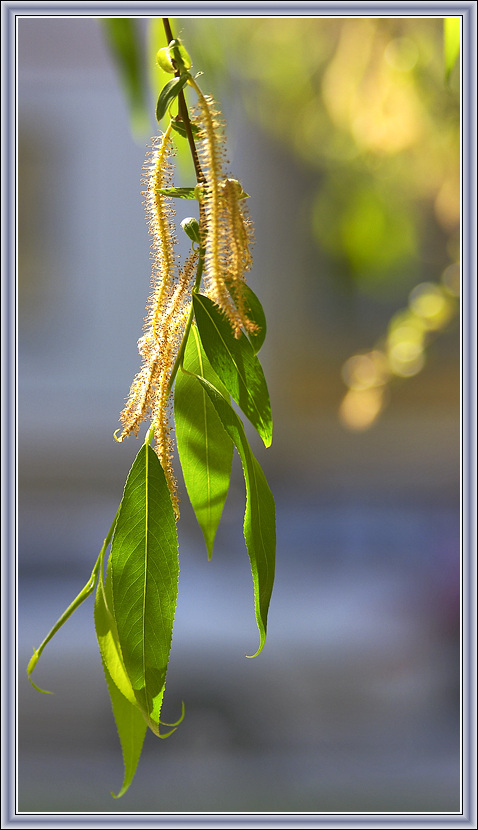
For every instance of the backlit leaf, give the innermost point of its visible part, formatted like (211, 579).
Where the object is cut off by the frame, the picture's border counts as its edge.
(84, 594)
(130, 722)
(178, 127)
(259, 518)
(144, 572)
(452, 33)
(169, 93)
(254, 312)
(205, 449)
(178, 192)
(108, 640)
(234, 361)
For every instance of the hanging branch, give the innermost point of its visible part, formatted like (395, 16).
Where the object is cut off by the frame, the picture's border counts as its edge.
(203, 329)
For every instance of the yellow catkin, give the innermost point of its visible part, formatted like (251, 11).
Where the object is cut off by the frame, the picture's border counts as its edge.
(239, 258)
(168, 342)
(158, 175)
(167, 312)
(227, 235)
(228, 232)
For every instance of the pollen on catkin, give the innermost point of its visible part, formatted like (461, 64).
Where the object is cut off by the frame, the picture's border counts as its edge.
(226, 228)
(167, 312)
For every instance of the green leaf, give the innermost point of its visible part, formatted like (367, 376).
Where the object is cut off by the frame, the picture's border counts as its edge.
(144, 576)
(130, 722)
(178, 192)
(79, 599)
(259, 518)
(179, 128)
(131, 727)
(108, 640)
(123, 38)
(452, 33)
(254, 312)
(205, 449)
(234, 361)
(169, 93)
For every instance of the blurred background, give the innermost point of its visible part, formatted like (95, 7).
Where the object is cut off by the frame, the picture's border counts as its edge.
(346, 135)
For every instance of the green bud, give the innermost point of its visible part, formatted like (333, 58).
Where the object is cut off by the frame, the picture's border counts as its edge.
(199, 192)
(236, 188)
(179, 55)
(163, 59)
(176, 52)
(190, 226)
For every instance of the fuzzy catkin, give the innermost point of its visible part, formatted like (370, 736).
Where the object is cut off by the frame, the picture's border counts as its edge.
(227, 231)
(167, 311)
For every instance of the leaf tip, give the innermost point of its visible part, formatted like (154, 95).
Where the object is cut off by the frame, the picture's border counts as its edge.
(261, 646)
(30, 668)
(209, 547)
(176, 723)
(121, 792)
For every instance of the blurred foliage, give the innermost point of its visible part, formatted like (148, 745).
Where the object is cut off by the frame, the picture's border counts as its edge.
(401, 352)
(124, 40)
(371, 109)
(362, 104)
(452, 43)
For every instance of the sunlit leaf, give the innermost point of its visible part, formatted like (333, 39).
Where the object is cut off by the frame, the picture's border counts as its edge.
(131, 727)
(254, 312)
(259, 518)
(234, 361)
(145, 571)
(130, 722)
(178, 192)
(205, 449)
(108, 640)
(179, 128)
(79, 599)
(452, 33)
(169, 93)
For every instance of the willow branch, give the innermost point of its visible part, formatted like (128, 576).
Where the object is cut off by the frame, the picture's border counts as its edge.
(183, 111)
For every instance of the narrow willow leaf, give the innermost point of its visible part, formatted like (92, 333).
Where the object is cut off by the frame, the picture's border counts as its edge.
(178, 192)
(234, 361)
(452, 34)
(169, 93)
(129, 719)
(205, 449)
(178, 127)
(259, 518)
(108, 640)
(144, 576)
(254, 313)
(131, 727)
(79, 599)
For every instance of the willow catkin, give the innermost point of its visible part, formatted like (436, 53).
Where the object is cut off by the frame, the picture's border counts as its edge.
(226, 229)
(167, 311)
